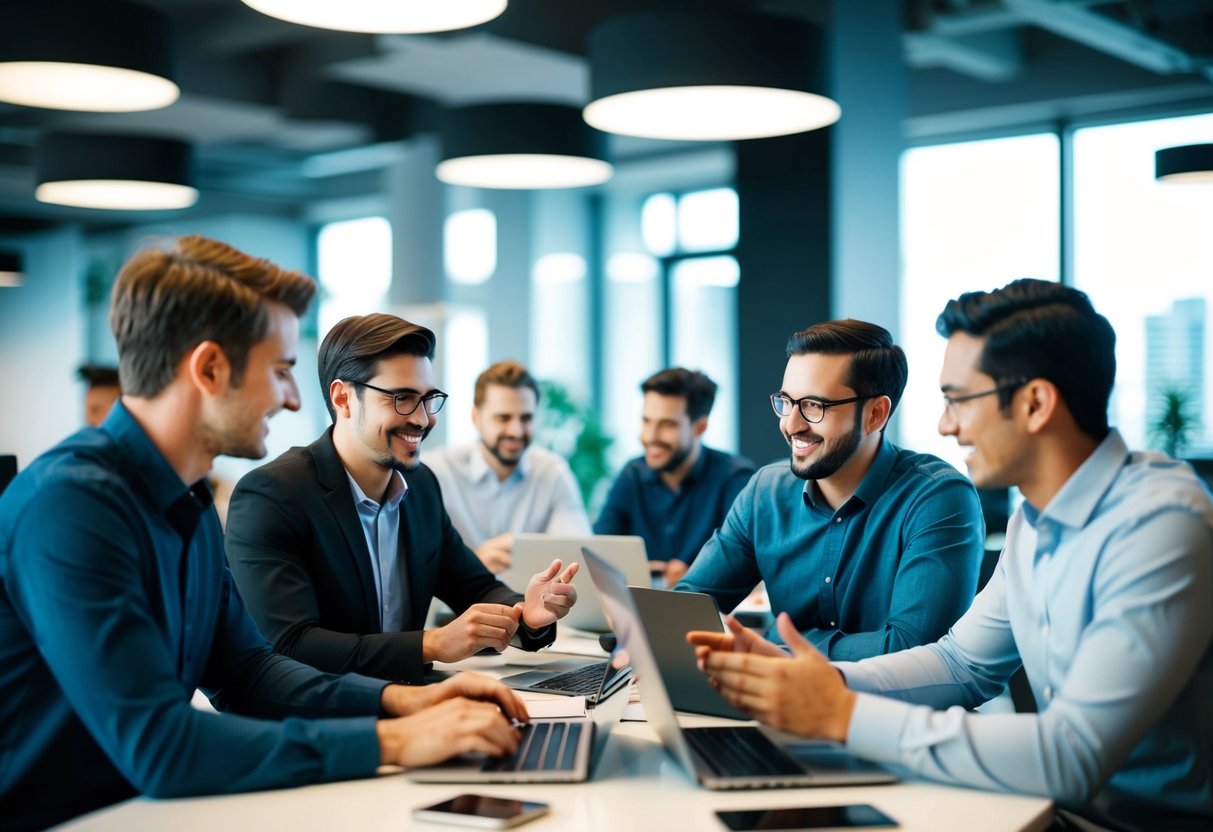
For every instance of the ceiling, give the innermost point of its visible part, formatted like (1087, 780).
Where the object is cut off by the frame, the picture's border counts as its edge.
(282, 115)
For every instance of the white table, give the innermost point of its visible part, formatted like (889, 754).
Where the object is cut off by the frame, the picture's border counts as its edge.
(636, 786)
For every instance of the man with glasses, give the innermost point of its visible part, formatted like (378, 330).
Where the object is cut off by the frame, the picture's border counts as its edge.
(1103, 594)
(338, 548)
(870, 548)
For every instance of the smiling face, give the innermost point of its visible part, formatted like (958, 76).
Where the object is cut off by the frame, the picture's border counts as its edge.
(994, 442)
(505, 420)
(823, 449)
(667, 432)
(382, 436)
(239, 425)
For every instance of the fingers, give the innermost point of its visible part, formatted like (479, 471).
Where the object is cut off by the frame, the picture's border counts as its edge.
(792, 637)
(570, 572)
(486, 689)
(705, 640)
(551, 572)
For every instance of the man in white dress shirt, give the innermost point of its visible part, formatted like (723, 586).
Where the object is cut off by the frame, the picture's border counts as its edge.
(499, 484)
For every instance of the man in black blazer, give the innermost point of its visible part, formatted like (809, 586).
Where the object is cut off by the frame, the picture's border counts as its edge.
(339, 547)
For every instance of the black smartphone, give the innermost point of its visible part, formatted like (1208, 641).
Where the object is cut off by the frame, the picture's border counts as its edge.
(853, 816)
(482, 811)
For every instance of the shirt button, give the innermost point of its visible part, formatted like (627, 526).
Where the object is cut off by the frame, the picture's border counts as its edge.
(827, 580)
(837, 519)
(833, 623)
(1048, 693)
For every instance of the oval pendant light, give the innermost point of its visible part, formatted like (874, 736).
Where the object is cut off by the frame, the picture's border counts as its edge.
(113, 172)
(1189, 163)
(383, 16)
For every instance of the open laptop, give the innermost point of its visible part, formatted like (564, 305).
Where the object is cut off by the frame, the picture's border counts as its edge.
(535, 552)
(573, 678)
(741, 757)
(667, 616)
(551, 750)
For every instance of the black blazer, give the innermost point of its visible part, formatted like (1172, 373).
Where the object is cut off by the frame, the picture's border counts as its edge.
(301, 564)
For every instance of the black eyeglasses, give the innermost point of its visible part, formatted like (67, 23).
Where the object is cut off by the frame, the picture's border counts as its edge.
(407, 403)
(950, 402)
(813, 410)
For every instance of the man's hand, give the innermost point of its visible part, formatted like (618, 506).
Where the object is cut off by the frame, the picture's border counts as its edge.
(738, 639)
(549, 595)
(674, 570)
(496, 552)
(480, 626)
(801, 693)
(452, 727)
(406, 700)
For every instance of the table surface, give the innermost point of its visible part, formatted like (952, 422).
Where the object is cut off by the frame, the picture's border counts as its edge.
(635, 786)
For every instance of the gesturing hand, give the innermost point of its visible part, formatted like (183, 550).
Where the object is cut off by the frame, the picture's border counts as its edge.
(549, 595)
(800, 693)
(480, 626)
(738, 639)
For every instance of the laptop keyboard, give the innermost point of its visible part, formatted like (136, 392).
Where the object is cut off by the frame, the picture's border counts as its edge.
(740, 752)
(545, 746)
(583, 681)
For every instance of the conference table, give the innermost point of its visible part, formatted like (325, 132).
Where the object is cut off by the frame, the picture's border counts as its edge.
(633, 786)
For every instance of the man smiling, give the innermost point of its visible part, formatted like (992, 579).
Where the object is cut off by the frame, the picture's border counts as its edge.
(338, 555)
(869, 547)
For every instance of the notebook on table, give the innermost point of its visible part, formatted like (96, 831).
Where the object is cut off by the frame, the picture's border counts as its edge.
(535, 552)
(551, 750)
(741, 757)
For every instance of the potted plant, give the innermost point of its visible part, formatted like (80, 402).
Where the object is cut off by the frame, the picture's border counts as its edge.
(1172, 429)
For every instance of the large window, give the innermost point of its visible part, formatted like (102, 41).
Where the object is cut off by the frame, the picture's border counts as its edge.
(975, 215)
(1143, 251)
(355, 268)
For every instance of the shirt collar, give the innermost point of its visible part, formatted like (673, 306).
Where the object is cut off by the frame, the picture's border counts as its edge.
(397, 488)
(156, 477)
(1078, 498)
(873, 483)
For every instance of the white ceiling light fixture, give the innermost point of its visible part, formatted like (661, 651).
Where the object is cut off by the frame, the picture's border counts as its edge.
(383, 16)
(521, 146)
(113, 172)
(708, 76)
(100, 56)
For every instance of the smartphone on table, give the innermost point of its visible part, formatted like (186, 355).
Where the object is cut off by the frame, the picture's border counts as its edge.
(482, 811)
(852, 816)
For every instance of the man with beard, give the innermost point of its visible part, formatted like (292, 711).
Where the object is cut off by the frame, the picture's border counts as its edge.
(338, 548)
(679, 492)
(1103, 594)
(115, 603)
(501, 485)
(868, 547)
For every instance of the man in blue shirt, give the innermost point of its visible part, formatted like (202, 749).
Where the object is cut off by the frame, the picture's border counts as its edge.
(679, 492)
(115, 602)
(870, 548)
(1104, 594)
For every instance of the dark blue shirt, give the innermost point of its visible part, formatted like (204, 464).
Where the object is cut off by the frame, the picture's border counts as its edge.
(674, 524)
(894, 567)
(115, 604)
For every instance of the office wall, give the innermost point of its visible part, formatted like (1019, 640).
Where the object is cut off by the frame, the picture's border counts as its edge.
(42, 330)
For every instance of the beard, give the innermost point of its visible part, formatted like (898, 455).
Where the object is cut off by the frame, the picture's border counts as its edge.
(239, 434)
(833, 456)
(507, 461)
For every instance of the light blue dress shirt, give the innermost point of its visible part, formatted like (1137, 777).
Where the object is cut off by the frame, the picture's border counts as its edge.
(381, 527)
(1106, 596)
(540, 495)
(892, 568)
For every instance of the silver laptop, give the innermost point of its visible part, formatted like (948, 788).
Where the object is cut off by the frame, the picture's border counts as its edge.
(551, 750)
(740, 757)
(535, 552)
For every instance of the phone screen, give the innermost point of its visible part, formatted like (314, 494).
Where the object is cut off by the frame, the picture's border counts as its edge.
(482, 810)
(807, 817)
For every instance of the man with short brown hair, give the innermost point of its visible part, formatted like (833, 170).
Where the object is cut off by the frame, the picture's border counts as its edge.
(116, 603)
(502, 484)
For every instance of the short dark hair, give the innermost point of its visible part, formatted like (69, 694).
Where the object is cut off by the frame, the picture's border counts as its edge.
(504, 374)
(353, 348)
(692, 385)
(1041, 329)
(167, 301)
(98, 375)
(878, 366)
